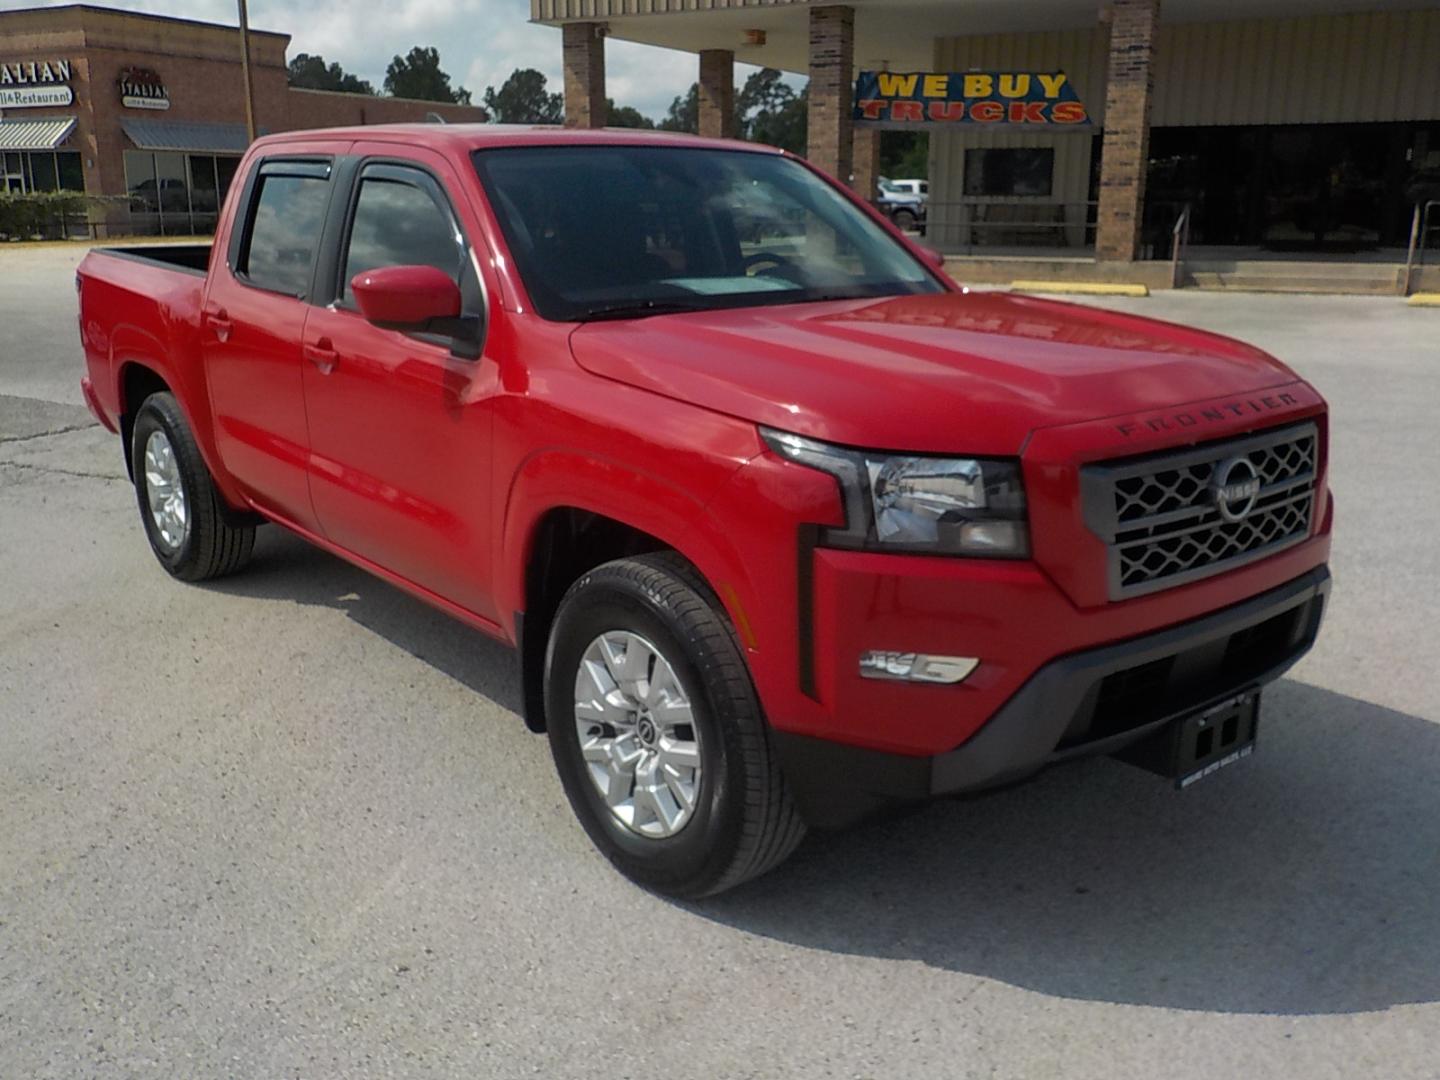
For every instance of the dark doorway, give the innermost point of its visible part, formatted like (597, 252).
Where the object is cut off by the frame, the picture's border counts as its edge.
(1333, 188)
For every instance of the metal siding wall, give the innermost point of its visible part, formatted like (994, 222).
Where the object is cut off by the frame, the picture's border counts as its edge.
(1081, 54)
(572, 10)
(1363, 67)
(1336, 68)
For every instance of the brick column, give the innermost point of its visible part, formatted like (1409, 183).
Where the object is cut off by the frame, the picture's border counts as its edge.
(866, 166)
(584, 45)
(717, 93)
(832, 89)
(1125, 151)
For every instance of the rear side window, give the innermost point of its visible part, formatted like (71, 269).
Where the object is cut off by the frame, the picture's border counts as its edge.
(285, 228)
(398, 224)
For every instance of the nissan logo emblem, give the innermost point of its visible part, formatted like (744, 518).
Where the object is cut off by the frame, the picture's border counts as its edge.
(1235, 486)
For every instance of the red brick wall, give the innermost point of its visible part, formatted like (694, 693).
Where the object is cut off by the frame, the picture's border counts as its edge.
(1126, 147)
(832, 93)
(320, 108)
(717, 93)
(200, 66)
(583, 45)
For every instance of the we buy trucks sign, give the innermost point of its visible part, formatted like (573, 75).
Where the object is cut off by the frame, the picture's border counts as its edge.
(989, 98)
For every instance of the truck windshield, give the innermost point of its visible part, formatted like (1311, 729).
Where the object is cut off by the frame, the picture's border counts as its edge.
(628, 231)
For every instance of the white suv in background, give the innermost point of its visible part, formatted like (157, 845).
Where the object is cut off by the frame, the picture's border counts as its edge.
(904, 201)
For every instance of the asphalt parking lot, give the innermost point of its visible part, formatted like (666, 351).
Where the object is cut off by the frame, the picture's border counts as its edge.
(289, 825)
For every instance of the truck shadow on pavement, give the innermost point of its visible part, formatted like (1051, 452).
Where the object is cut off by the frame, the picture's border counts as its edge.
(288, 568)
(1304, 881)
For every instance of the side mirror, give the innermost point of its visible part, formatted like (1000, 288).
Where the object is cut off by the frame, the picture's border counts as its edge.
(413, 298)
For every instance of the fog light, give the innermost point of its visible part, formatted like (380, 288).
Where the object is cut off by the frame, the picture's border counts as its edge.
(916, 667)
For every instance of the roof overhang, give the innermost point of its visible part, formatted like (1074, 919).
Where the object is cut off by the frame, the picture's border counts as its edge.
(186, 136)
(35, 134)
(895, 34)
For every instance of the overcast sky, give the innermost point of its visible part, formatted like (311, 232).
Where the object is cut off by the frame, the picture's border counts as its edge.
(480, 41)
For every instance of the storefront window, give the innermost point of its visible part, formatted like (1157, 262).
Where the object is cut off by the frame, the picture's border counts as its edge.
(41, 170)
(140, 180)
(176, 193)
(12, 172)
(203, 192)
(1011, 171)
(224, 173)
(70, 172)
(42, 173)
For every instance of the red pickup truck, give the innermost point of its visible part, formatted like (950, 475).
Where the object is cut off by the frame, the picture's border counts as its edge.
(785, 526)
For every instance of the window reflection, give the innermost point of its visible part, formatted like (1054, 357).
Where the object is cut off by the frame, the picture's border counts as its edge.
(397, 224)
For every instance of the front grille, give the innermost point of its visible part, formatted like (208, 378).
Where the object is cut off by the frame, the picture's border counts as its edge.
(1161, 521)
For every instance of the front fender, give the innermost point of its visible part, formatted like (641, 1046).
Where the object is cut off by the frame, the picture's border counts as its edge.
(663, 507)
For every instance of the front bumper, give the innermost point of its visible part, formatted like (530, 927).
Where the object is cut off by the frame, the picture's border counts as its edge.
(1086, 703)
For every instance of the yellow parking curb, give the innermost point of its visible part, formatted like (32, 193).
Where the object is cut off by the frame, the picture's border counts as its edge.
(1088, 288)
(1424, 299)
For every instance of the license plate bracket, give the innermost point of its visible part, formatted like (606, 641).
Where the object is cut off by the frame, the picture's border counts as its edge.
(1190, 748)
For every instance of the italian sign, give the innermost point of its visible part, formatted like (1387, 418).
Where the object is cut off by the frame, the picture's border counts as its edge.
(991, 98)
(31, 84)
(141, 88)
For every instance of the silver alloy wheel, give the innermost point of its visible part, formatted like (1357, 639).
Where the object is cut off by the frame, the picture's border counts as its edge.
(637, 734)
(165, 491)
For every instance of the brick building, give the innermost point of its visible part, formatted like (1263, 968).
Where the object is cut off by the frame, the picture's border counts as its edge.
(150, 111)
(1284, 125)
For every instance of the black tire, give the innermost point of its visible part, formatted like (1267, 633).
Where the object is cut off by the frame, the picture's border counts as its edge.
(211, 547)
(904, 220)
(743, 822)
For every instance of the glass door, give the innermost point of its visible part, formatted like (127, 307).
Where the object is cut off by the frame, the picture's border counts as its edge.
(1325, 188)
(12, 173)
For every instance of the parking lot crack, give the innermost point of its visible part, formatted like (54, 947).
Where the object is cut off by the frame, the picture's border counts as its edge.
(54, 469)
(5, 440)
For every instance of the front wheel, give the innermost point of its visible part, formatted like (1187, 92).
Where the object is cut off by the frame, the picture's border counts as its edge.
(179, 504)
(657, 733)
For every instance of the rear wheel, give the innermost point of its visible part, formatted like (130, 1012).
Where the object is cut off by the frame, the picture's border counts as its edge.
(183, 515)
(904, 220)
(657, 733)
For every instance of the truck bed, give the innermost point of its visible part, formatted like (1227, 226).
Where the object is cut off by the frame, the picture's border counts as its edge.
(141, 305)
(193, 258)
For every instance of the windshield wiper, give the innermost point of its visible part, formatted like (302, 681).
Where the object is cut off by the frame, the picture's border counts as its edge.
(640, 309)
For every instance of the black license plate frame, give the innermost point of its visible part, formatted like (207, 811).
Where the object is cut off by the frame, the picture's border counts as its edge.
(1200, 744)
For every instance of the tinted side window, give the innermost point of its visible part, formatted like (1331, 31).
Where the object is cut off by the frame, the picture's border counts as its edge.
(289, 212)
(397, 224)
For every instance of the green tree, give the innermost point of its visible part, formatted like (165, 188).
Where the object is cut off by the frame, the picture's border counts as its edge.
(419, 75)
(764, 92)
(523, 98)
(684, 112)
(312, 73)
(767, 109)
(781, 121)
(627, 116)
(905, 155)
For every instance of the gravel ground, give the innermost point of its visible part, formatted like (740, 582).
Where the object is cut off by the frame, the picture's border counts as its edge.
(290, 825)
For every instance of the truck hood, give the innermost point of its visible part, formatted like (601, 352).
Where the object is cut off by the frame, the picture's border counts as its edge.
(950, 372)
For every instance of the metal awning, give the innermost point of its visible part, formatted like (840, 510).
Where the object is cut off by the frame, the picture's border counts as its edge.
(191, 136)
(35, 134)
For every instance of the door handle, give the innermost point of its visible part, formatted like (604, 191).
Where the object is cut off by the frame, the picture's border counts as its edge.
(219, 321)
(323, 355)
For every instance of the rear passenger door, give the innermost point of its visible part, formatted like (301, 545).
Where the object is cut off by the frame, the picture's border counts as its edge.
(252, 323)
(400, 423)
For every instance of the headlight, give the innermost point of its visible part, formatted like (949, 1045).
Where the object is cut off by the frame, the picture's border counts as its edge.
(952, 506)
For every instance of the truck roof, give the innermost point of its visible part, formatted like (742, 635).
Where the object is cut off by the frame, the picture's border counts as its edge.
(465, 137)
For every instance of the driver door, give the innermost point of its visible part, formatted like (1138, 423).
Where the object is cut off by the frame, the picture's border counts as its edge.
(400, 423)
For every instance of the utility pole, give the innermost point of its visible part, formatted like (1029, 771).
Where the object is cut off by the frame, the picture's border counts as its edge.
(245, 69)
